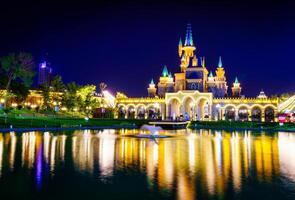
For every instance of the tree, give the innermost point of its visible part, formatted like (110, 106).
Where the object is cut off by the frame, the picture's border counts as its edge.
(85, 95)
(45, 92)
(20, 91)
(57, 84)
(17, 67)
(56, 88)
(69, 99)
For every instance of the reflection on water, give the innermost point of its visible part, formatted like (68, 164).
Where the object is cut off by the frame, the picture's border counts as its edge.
(192, 163)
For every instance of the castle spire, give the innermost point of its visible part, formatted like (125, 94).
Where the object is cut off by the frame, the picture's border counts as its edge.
(236, 88)
(211, 74)
(189, 36)
(165, 71)
(220, 62)
(152, 82)
(203, 61)
(180, 47)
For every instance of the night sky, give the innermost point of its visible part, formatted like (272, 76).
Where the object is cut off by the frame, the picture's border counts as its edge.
(126, 43)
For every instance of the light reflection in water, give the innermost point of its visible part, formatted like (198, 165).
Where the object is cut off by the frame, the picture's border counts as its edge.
(217, 160)
(287, 153)
(106, 152)
(1, 153)
(13, 139)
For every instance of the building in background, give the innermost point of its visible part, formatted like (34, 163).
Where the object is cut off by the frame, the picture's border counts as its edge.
(44, 73)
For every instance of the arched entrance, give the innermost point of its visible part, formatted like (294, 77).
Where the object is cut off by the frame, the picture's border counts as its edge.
(152, 112)
(269, 114)
(243, 113)
(121, 112)
(140, 112)
(189, 108)
(229, 113)
(256, 114)
(131, 112)
(203, 109)
(174, 109)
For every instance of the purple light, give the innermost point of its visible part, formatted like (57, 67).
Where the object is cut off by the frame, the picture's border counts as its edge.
(43, 65)
(39, 167)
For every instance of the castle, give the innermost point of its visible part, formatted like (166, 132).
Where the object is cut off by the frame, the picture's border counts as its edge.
(194, 93)
(193, 74)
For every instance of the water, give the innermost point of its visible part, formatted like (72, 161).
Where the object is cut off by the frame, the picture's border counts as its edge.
(109, 164)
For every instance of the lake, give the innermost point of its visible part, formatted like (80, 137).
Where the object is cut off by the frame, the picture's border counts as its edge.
(111, 164)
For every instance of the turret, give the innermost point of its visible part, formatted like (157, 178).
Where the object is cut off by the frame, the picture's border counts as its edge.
(236, 89)
(152, 90)
(166, 83)
(210, 77)
(220, 80)
(220, 70)
(211, 83)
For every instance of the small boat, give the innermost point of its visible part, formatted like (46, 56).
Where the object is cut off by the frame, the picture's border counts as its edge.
(170, 124)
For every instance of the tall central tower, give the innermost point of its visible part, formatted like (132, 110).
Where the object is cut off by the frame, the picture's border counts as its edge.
(186, 51)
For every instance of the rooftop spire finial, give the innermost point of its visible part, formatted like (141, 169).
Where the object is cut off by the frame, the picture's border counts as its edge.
(203, 61)
(211, 74)
(189, 36)
(220, 62)
(236, 80)
(152, 82)
(180, 42)
(165, 71)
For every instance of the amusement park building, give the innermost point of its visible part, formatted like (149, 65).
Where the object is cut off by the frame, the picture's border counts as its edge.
(195, 93)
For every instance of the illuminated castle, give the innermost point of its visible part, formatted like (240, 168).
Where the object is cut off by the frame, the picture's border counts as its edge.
(193, 73)
(196, 93)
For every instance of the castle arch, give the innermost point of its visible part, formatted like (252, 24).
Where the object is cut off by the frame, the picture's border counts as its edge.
(256, 113)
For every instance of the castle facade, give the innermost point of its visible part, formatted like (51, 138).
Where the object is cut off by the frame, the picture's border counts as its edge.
(195, 93)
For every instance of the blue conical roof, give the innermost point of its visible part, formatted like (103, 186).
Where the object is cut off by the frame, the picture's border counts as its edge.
(165, 71)
(220, 62)
(189, 36)
(211, 74)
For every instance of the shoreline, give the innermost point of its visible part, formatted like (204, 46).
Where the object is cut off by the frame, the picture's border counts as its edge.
(242, 129)
(28, 129)
(60, 124)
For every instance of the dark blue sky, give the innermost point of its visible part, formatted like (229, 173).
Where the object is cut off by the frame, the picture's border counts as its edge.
(125, 44)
